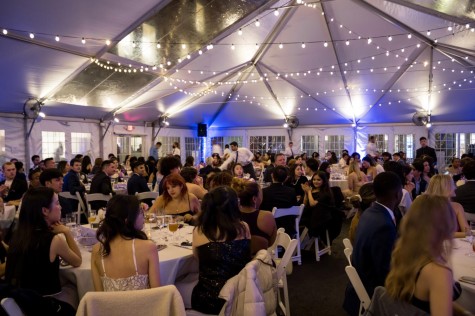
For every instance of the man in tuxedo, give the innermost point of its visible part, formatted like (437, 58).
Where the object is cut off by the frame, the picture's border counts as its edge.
(375, 238)
(425, 150)
(465, 194)
(280, 196)
(419, 182)
(137, 182)
(53, 178)
(101, 183)
(14, 185)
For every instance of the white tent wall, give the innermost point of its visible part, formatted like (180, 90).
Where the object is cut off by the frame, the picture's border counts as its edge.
(12, 139)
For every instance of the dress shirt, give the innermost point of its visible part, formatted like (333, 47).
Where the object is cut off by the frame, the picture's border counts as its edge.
(289, 152)
(176, 151)
(242, 155)
(371, 149)
(154, 152)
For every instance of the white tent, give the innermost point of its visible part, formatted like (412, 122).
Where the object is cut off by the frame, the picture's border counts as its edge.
(341, 67)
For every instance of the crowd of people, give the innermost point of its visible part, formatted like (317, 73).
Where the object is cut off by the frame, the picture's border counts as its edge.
(229, 200)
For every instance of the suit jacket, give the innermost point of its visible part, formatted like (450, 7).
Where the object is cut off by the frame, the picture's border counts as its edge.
(280, 196)
(17, 189)
(422, 188)
(72, 184)
(465, 195)
(137, 183)
(101, 183)
(374, 242)
(429, 151)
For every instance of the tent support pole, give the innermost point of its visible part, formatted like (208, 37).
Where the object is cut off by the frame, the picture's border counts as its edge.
(27, 143)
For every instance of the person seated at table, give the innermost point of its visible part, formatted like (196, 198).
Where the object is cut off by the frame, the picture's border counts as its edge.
(53, 178)
(189, 161)
(420, 271)
(221, 243)
(194, 183)
(14, 186)
(368, 166)
(86, 165)
(64, 167)
(36, 247)
(356, 178)
(429, 169)
(295, 180)
(137, 182)
(168, 165)
(360, 202)
(319, 204)
(34, 178)
(238, 171)
(176, 200)
(124, 259)
(218, 178)
(455, 167)
(101, 183)
(325, 167)
(261, 223)
(97, 166)
(444, 185)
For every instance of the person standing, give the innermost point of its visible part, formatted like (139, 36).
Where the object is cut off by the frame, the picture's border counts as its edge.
(216, 149)
(371, 147)
(425, 150)
(154, 150)
(35, 159)
(176, 149)
(289, 152)
(240, 155)
(375, 238)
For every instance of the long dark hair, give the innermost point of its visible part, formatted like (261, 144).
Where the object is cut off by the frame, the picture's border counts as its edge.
(31, 218)
(291, 177)
(85, 163)
(121, 213)
(219, 218)
(325, 188)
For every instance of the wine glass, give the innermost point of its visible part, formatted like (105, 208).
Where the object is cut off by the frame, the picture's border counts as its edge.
(92, 216)
(469, 238)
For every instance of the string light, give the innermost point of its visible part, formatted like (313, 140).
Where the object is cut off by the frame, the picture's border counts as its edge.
(83, 40)
(276, 12)
(281, 46)
(303, 45)
(159, 46)
(56, 38)
(108, 42)
(257, 23)
(240, 32)
(5, 32)
(32, 36)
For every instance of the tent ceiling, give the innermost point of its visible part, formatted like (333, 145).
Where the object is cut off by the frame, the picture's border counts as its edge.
(327, 62)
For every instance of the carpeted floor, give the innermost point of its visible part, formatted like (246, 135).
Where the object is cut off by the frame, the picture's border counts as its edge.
(318, 288)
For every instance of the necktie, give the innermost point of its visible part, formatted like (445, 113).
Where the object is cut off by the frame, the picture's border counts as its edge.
(237, 153)
(292, 152)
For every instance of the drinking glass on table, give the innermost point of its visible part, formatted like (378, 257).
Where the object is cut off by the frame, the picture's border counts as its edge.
(470, 239)
(173, 226)
(92, 216)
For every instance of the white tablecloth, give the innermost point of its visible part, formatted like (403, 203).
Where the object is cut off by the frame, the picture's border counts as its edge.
(6, 218)
(464, 266)
(343, 184)
(174, 263)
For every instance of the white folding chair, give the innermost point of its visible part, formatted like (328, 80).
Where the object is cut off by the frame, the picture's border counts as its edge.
(77, 197)
(93, 197)
(292, 211)
(348, 253)
(360, 290)
(307, 243)
(470, 217)
(347, 244)
(147, 195)
(283, 240)
(11, 307)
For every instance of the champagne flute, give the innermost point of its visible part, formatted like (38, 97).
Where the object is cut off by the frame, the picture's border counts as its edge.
(173, 226)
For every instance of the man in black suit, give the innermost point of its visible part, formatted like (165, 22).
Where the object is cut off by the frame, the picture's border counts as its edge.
(53, 178)
(419, 182)
(375, 238)
(137, 182)
(425, 150)
(14, 185)
(279, 160)
(101, 183)
(465, 194)
(72, 182)
(280, 196)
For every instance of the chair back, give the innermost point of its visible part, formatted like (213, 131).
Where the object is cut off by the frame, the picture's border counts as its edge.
(283, 240)
(470, 217)
(347, 244)
(77, 197)
(147, 195)
(93, 197)
(292, 211)
(164, 300)
(358, 286)
(273, 248)
(384, 305)
(11, 307)
(348, 253)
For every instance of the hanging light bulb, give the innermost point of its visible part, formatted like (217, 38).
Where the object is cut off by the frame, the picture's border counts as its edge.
(183, 46)
(257, 24)
(409, 36)
(390, 38)
(83, 40)
(303, 45)
(133, 44)
(240, 32)
(428, 33)
(369, 40)
(32, 36)
(56, 38)
(108, 42)
(276, 12)
(232, 46)
(449, 29)
(281, 46)
(5, 32)
(325, 44)
(347, 42)
(159, 46)
(200, 52)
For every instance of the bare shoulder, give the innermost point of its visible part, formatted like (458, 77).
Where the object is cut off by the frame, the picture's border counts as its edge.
(193, 197)
(437, 274)
(266, 217)
(457, 207)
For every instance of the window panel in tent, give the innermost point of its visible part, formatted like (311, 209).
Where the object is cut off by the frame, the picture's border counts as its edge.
(167, 145)
(80, 143)
(335, 143)
(405, 143)
(445, 148)
(2, 146)
(53, 145)
(129, 145)
(193, 147)
(309, 144)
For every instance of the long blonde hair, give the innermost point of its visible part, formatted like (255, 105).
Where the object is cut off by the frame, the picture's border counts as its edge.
(441, 184)
(429, 222)
(355, 167)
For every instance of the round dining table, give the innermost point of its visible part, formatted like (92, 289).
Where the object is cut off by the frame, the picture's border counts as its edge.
(464, 265)
(176, 261)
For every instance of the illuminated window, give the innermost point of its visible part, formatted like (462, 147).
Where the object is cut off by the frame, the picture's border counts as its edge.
(52, 145)
(335, 143)
(130, 145)
(193, 148)
(167, 145)
(405, 143)
(309, 144)
(262, 144)
(381, 142)
(80, 143)
(2, 146)
(445, 148)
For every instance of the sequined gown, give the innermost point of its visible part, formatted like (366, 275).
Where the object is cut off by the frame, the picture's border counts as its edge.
(219, 261)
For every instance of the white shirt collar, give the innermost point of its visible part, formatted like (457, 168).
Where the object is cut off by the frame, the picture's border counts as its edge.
(391, 213)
